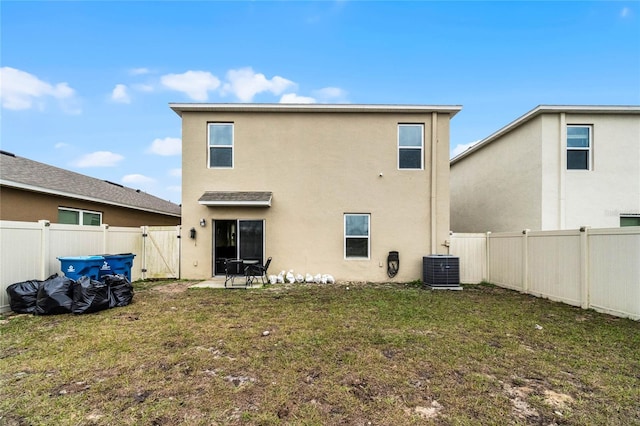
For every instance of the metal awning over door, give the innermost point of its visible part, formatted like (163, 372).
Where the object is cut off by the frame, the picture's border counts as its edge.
(236, 199)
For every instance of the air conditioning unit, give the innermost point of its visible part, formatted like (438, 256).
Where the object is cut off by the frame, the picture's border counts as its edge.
(441, 272)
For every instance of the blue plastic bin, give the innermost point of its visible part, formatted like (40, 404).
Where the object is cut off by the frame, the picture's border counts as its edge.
(75, 267)
(119, 264)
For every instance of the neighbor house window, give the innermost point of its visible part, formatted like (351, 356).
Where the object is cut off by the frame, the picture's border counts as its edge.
(356, 236)
(410, 145)
(79, 217)
(630, 220)
(221, 145)
(579, 147)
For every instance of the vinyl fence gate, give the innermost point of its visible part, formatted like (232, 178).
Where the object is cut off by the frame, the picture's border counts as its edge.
(30, 250)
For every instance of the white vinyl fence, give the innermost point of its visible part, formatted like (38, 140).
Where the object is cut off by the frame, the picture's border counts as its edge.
(472, 252)
(590, 268)
(30, 250)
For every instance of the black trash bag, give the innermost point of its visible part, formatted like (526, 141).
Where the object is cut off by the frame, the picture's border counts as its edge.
(23, 296)
(90, 296)
(121, 289)
(55, 296)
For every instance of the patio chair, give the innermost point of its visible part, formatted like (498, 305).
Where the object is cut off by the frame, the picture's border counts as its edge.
(231, 271)
(255, 271)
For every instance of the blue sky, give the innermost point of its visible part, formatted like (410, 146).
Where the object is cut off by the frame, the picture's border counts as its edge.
(86, 85)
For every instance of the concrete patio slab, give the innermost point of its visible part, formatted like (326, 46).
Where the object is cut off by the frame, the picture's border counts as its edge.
(218, 282)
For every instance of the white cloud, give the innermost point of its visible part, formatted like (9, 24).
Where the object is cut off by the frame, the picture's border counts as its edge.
(331, 94)
(137, 179)
(176, 173)
(120, 94)
(196, 84)
(20, 90)
(244, 83)
(459, 149)
(61, 145)
(292, 98)
(139, 71)
(166, 147)
(625, 12)
(99, 159)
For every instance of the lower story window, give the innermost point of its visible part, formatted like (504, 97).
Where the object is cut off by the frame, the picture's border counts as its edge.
(630, 220)
(79, 217)
(356, 236)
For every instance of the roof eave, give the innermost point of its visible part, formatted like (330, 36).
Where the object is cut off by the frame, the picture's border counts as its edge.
(546, 109)
(179, 108)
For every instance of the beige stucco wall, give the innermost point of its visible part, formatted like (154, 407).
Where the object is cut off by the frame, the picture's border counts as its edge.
(498, 188)
(552, 172)
(319, 166)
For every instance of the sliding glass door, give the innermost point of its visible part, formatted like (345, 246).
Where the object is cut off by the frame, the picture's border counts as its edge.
(237, 239)
(251, 241)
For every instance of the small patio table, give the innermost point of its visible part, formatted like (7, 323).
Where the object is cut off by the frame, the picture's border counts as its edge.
(237, 267)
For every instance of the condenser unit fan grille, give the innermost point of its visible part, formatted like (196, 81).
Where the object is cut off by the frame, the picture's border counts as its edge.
(441, 271)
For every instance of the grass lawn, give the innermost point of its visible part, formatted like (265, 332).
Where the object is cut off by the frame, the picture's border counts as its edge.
(321, 355)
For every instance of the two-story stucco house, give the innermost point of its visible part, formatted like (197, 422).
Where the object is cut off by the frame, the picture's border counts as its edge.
(328, 189)
(556, 167)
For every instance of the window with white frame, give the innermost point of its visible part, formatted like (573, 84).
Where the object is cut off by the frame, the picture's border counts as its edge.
(410, 146)
(220, 145)
(79, 217)
(356, 236)
(579, 147)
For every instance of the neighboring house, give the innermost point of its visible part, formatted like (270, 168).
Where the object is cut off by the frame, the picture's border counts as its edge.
(32, 191)
(556, 167)
(323, 189)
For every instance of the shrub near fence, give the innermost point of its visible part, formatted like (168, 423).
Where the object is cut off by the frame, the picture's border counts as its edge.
(30, 250)
(591, 268)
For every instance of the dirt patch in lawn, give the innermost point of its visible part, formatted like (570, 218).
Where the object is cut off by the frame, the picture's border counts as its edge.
(522, 391)
(175, 287)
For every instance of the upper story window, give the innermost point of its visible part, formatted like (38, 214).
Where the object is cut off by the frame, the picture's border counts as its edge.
(356, 236)
(410, 146)
(579, 147)
(79, 217)
(220, 145)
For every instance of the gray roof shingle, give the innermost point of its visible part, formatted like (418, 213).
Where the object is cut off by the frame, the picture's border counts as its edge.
(28, 174)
